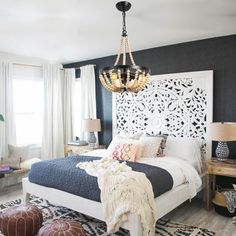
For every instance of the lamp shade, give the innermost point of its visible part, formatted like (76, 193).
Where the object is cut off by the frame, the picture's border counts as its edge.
(223, 131)
(92, 125)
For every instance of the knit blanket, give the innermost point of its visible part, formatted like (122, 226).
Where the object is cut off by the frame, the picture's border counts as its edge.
(123, 191)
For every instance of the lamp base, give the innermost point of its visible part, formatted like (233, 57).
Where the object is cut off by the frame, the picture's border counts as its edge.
(222, 151)
(92, 140)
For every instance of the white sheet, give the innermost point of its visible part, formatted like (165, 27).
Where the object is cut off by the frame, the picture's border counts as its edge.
(180, 170)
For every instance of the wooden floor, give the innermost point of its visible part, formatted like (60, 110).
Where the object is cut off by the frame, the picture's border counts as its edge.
(189, 213)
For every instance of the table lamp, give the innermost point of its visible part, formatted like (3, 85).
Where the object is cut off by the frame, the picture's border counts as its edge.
(91, 126)
(223, 132)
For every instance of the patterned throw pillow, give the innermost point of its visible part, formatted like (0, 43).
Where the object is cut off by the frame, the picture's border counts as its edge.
(162, 146)
(125, 151)
(151, 146)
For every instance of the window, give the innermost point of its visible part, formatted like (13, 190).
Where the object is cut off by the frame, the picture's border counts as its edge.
(28, 99)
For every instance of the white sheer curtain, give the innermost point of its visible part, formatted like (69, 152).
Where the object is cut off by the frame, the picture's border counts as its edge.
(68, 104)
(87, 101)
(53, 139)
(7, 128)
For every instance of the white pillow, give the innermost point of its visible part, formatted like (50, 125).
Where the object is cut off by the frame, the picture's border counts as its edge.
(122, 137)
(188, 149)
(24, 152)
(17, 152)
(151, 145)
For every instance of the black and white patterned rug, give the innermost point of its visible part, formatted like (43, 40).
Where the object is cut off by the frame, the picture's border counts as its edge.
(96, 227)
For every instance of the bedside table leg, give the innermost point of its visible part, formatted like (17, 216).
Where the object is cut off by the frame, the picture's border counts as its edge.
(213, 185)
(208, 192)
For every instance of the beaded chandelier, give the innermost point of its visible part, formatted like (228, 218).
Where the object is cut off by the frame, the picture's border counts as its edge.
(123, 77)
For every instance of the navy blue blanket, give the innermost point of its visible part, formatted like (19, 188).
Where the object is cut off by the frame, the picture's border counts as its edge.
(62, 174)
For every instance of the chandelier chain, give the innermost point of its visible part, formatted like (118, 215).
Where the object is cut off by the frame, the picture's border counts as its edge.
(119, 52)
(129, 51)
(124, 31)
(124, 50)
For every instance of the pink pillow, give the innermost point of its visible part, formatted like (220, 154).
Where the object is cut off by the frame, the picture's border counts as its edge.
(125, 151)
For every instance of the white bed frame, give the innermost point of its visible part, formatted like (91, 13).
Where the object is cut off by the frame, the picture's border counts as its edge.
(164, 203)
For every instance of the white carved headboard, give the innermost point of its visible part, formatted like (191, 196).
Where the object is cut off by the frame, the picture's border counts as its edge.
(178, 104)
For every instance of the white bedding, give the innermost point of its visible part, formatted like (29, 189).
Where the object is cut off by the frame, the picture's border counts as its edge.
(180, 170)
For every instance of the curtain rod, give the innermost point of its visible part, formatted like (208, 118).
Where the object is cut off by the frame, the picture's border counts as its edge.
(40, 66)
(31, 65)
(77, 68)
(22, 64)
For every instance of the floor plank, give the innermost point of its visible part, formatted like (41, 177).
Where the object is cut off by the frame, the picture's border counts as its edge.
(192, 213)
(195, 214)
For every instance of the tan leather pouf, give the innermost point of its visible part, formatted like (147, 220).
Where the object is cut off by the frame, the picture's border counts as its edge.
(62, 227)
(23, 220)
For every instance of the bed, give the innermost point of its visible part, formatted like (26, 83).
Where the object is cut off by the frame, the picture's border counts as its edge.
(176, 104)
(166, 202)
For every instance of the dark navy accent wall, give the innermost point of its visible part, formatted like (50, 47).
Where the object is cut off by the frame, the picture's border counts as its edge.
(218, 54)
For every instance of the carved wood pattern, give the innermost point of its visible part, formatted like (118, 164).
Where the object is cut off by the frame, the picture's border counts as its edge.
(174, 104)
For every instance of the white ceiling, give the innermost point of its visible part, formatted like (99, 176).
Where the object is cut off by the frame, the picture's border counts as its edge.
(75, 30)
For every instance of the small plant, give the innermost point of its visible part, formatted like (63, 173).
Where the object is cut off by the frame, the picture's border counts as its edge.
(1, 117)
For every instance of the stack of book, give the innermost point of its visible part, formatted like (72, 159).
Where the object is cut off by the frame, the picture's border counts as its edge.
(5, 169)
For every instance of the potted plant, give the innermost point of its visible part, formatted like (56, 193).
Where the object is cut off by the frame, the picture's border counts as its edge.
(1, 117)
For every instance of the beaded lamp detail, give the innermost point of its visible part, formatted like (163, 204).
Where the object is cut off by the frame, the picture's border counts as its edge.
(120, 78)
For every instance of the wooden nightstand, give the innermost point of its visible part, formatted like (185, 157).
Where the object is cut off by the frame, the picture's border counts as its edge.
(213, 168)
(77, 150)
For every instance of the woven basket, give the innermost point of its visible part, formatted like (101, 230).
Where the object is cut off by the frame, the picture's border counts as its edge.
(219, 198)
(219, 202)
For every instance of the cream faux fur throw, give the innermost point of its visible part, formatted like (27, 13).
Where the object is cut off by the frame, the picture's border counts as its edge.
(123, 191)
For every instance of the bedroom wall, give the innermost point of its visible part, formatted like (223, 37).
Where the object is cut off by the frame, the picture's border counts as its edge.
(218, 54)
